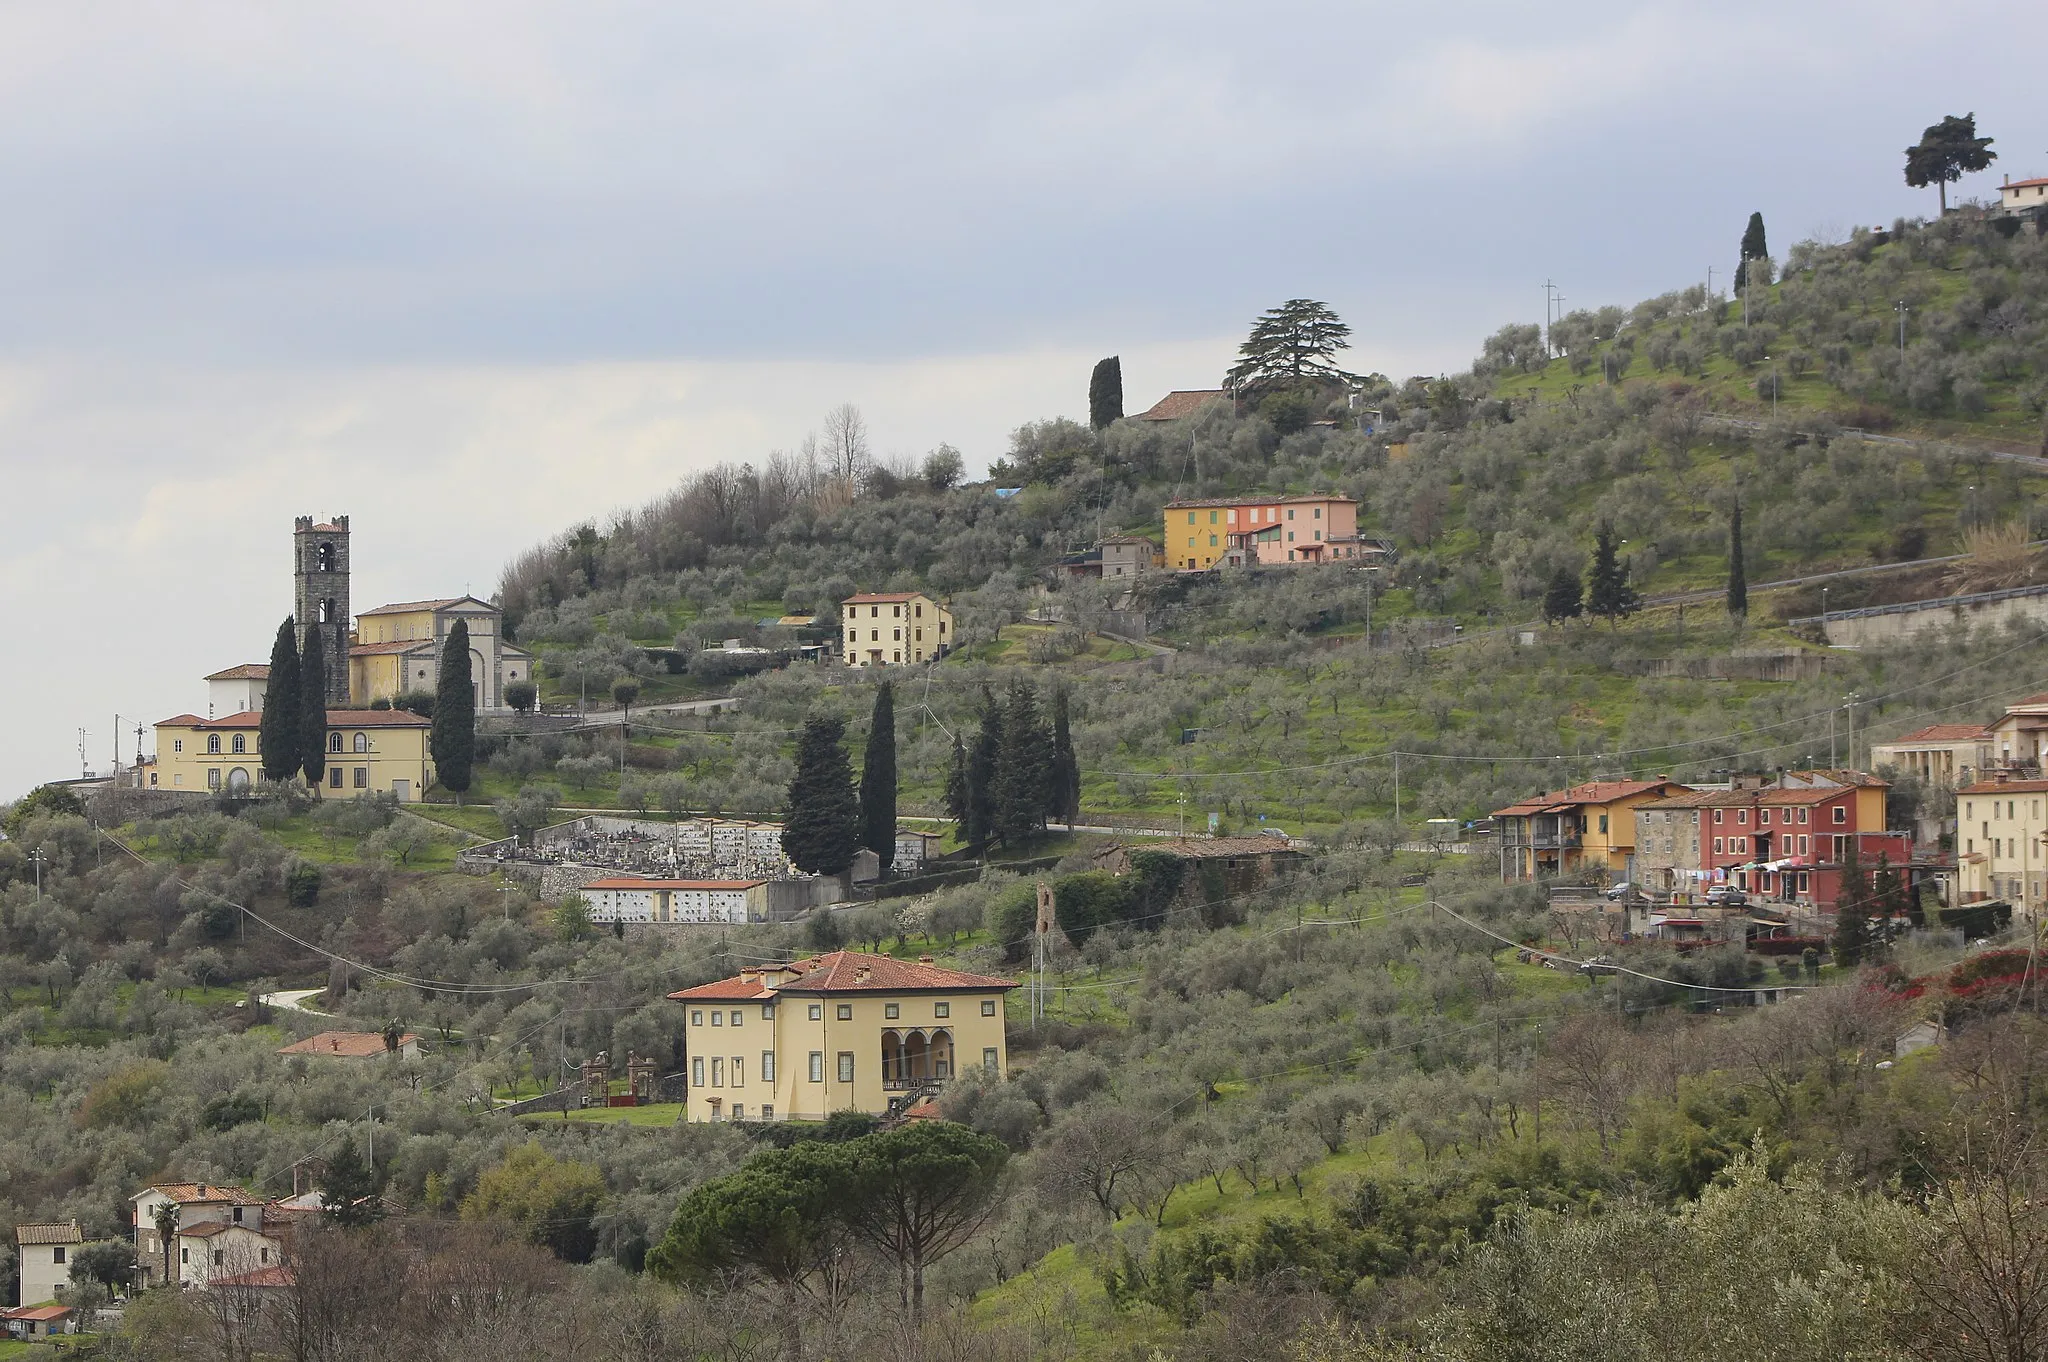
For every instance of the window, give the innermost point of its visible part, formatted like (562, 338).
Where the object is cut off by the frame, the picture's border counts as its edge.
(1802, 815)
(1841, 815)
(213, 779)
(697, 1072)
(362, 742)
(817, 1066)
(846, 1066)
(1319, 513)
(896, 635)
(767, 1113)
(845, 1012)
(213, 742)
(891, 1011)
(717, 1071)
(1742, 817)
(989, 1061)
(57, 1254)
(1802, 846)
(219, 1256)
(1763, 817)
(767, 1066)
(988, 1007)
(1290, 515)
(1603, 825)
(696, 1019)
(239, 743)
(767, 1011)
(184, 1255)
(1212, 541)
(942, 1009)
(1212, 521)
(238, 1215)
(1717, 815)
(717, 1017)
(739, 1072)
(817, 1012)
(735, 1016)
(739, 1113)
(177, 744)
(334, 742)
(362, 781)
(1802, 881)
(334, 777)
(1717, 846)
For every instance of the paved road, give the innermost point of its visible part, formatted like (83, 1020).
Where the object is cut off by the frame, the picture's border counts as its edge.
(1947, 446)
(293, 1000)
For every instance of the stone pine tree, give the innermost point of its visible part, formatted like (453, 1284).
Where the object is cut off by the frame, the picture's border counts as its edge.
(1563, 599)
(821, 829)
(277, 733)
(1738, 575)
(878, 781)
(1065, 788)
(1754, 247)
(1024, 769)
(984, 756)
(1608, 593)
(1106, 392)
(313, 709)
(1946, 152)
(453, 737)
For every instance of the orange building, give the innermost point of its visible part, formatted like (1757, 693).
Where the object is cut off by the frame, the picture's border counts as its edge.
(1319, 528)
(1588, 827)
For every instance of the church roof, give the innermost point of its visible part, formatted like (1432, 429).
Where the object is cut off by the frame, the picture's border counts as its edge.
(414, 607)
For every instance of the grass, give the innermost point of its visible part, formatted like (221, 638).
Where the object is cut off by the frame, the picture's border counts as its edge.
(480, 819)
(657, 1114)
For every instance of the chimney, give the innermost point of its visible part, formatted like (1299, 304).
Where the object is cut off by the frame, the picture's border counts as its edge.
(860, 976)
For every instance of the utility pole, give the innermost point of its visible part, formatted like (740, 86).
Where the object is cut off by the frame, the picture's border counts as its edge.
(1901, 308)
(36, 859)
(1397, 789)
(1548, 289)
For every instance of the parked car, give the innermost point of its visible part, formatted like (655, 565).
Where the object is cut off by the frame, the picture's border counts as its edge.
(1727, 898)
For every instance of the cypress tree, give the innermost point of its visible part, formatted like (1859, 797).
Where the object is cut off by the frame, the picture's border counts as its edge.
(1562, 600)
(453, 737)
(1753, 248)
(983, 759)
(1608, 593)
(1065, 791)
(878, 780)
(1852, 910)
(1738, 576)
(1024, 768)
(277, 734)
(1106, 392)
(348, 1189)
(313, 709)
(821, 830)
(956, 787)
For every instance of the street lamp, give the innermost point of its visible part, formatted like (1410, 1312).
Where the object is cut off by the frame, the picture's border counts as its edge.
(1824, 615)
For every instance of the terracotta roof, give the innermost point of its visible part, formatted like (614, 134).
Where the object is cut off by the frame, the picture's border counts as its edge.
(1941, 733)
(2041, 699)
(377, 718)
(845, 972)
(206, 1230)
(276, 1275)
(411, 607)
(1290, 500)
(1129, 539)
(248, 671)
(65, 1232)
(631, 882)
(2005, 787)
(36, 1313)
(200, 1194)
(1180, 402)
(346, 1044)
(884, 597)
(1691, 799)
(1592, 792)
(401, 645)
(2024, 184)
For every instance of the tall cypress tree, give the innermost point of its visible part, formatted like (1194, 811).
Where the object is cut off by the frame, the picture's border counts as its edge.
(821, 829)
(956, 787)
(983, 759)
(1753, 248)
(278, 732)
(1064, 803)
(1106, 392)
(1024, 768)
(878, 780)
(313, 709)
(453, 737)
(1852, 906)
(1738, 575)
(1608, 593)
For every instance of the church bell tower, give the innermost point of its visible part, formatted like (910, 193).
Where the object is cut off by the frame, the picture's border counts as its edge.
(320, 598)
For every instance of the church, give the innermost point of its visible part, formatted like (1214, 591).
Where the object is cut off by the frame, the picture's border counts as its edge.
(392, 650)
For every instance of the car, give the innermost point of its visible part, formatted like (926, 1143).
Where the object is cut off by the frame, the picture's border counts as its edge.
(1727, 898)
(1619, 892)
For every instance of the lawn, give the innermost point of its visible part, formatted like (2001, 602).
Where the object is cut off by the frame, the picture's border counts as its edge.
(654, 1114)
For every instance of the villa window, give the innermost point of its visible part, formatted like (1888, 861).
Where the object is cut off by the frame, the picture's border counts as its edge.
(362, 742)
(213, 779)
(990, 1061)
(334, 742)
(1802, 815)
(767, 1066)
(362, 781)
(697, 1072)
(1841, 815)
(739, 1072)
(817, 1066)
(817, 1011)
(846, 1066)
(767, 1011)
(696, 1019)
(239, 743)
(988, 1007)
(892, 1011)
(767, 1113)
(717, 1017)
(213, 743)
(942, 1009)
(845, 1012)
(717, 1071)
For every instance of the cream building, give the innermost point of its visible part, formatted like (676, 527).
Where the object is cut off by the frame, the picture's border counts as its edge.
(841, 1032)
(2000, 831)
(1952, 755)
(369, 751)
(44, 1255)
(894, 628)
(397, 648)
(219, 1232)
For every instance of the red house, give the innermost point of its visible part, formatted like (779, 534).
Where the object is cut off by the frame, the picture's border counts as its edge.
(1786, 842)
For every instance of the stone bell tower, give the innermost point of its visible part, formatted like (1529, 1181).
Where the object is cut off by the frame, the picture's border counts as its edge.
(320, 598)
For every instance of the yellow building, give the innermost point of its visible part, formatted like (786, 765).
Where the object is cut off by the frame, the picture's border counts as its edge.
(381, 751)
(894, 628)
(840, 1032)
(2002, 842)
(1590, 827)
(397, 648)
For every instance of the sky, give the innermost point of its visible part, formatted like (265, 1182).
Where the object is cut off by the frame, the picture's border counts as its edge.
(472, 273)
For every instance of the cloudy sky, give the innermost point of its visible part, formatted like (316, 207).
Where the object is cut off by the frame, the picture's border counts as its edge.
(473, 272)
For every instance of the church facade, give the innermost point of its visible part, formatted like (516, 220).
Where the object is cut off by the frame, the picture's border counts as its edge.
(397, 648)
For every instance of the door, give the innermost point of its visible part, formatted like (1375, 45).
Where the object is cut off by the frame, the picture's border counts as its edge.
(403, 789)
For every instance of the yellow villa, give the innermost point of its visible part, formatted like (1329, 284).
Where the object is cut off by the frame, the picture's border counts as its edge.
(894, 628)
(843, 1031)
(397, 648)
(380, 751)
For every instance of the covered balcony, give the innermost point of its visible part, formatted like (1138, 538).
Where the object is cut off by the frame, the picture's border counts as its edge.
(915, 1056)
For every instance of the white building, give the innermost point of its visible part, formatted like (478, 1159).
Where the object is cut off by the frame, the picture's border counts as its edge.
(913, 849)
(45, 1255)
(219, 1231)
(628, 899)
(2023, 196)
(238, 690)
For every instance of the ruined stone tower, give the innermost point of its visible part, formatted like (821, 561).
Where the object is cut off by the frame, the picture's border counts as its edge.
(320, 597)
